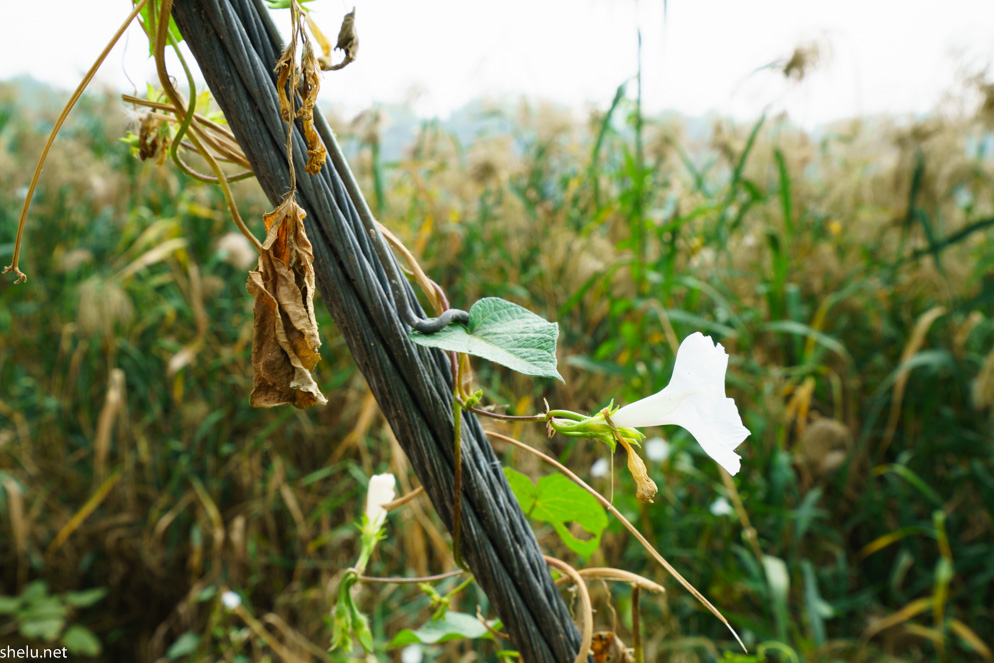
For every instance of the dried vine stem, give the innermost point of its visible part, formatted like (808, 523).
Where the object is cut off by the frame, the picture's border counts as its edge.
(160, 67)
(410, 581)
(206, 128)
(401, 501)
(620, 575)
(12, 267)
(624, 521)
(585, 606)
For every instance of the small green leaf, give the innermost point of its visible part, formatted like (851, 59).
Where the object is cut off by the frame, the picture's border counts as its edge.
(84, 598)
(454, 626)
(557, 500)
(504, 333)
(9, 604)
(44, 628)
(48, 607)
(81, 641)
(206, 594)
(184, 645)
(34, 591)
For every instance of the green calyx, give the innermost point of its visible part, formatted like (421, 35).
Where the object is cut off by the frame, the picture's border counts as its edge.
(596, 427)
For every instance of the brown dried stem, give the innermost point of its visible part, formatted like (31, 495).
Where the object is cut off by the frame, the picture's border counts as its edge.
(585, 606)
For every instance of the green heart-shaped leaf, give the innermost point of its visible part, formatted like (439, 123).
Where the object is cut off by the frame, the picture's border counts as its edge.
(557, 500)
(454, 626)
(504, 333)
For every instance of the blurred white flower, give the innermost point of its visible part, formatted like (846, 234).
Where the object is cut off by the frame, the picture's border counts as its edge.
(657, 449)
(600, 468)
(382, 489)
(231, 600)
(237, 250)
(695, 399)
(721, 507)
(411, 654)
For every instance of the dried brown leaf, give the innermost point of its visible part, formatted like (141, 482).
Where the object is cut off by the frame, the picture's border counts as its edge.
(151, 141)
(284, 66)
(286, 342)
(310, 84)
(348, 42)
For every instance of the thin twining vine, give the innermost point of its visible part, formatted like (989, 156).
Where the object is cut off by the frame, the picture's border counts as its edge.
(162, 37)
(349, 622)
(624, 521)
(204, 135)
(21, 277)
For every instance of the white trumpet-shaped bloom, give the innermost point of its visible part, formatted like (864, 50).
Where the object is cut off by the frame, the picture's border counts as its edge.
(382, 489)
(695, 400)
(231, 600)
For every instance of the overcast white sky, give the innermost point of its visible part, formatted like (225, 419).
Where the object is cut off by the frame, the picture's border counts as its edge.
(888, 55)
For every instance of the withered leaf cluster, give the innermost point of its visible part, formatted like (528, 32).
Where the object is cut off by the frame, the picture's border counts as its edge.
(286, 342)
(309, 83)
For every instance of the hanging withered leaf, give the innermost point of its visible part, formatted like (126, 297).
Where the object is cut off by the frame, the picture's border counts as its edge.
(284, 67)
(310, 84)
(348, 43)
(286, 342)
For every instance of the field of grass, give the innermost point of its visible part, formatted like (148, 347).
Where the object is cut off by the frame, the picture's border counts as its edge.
(850, 276)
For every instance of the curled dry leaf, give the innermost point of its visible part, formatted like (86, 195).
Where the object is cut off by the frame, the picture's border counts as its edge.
(286, 342)
(310, 84)
(151, 140)
(348, 42)
(284, 67)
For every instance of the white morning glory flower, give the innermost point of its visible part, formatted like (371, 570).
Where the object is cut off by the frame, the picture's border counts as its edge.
(599, 468)
(231, 600)
(721, 507)
(694, 399)
(382, 489)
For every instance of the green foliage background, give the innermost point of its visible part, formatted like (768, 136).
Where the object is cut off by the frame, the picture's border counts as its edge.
(868, 479)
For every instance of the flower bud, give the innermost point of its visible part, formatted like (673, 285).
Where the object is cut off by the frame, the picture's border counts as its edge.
(382, 489)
